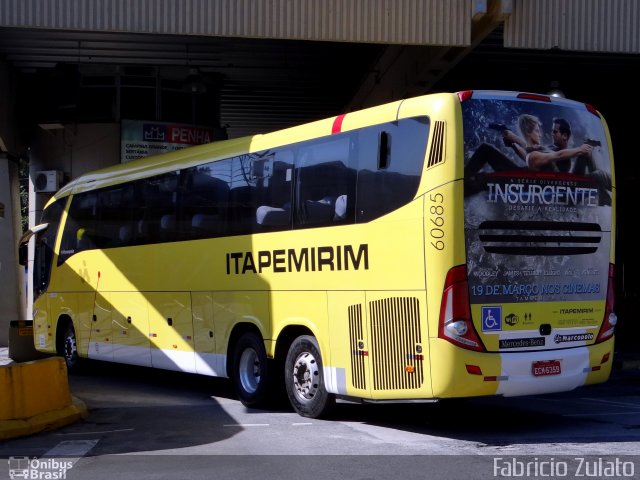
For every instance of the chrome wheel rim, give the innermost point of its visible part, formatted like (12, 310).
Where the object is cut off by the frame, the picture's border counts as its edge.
(70, 348)
(306, 376)
(249, 370)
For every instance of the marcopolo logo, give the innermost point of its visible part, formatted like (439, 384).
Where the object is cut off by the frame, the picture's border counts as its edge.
(575, 337)
(38, 469)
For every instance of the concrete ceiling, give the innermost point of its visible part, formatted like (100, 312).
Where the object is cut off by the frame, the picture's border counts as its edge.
(263, 85)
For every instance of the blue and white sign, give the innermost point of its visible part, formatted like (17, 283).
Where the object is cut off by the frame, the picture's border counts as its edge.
(491, 319)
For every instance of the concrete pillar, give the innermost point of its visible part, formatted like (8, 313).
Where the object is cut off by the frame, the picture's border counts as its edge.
(12, 295)
(12, 292)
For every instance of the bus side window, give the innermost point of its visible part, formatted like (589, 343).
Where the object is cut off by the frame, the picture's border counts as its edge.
(243, 196)
(142, 230)
(84, 240)
(324, 182)
(204, 202)
(390, 166)
(277, 181)
(241, 210)
(44, 245)
(155, 212)
(80, 225)
(114, 209)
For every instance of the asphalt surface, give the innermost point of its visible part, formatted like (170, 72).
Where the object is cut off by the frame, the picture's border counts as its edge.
(626, 366)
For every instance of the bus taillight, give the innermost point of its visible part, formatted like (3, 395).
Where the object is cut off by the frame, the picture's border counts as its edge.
(465, 95)
(591, 109)
(455, 312)
(610, 317)
(535, 96)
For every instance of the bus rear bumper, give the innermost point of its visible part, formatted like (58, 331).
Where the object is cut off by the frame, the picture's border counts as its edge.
(512, 374)
(578, 367)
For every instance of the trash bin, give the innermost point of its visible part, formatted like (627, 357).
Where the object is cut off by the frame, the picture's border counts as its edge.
(21, 347)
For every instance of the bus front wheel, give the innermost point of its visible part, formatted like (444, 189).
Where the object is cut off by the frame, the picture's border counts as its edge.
(70, 349)
(251, 370)
(304, 379)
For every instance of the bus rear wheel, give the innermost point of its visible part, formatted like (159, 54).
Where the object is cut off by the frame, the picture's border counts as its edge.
(304, 379)
(251, 374)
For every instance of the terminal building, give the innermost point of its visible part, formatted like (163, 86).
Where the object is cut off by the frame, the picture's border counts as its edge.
(83, 81)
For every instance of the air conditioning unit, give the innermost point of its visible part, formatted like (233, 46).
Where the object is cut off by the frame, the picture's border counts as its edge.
(48, 181)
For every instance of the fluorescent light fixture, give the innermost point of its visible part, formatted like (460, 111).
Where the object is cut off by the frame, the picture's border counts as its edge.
(555, 90)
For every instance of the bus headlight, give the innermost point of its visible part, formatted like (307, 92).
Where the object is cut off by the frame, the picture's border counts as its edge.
(613, 319)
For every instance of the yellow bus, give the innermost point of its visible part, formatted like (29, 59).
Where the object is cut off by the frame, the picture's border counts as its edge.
(448, 245)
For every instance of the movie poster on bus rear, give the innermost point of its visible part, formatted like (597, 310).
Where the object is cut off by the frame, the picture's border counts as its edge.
(538, 201)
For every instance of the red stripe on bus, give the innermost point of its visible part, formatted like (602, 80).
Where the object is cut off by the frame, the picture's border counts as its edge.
(337, 124)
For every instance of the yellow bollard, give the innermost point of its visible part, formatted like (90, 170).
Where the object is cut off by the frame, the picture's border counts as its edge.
(35, 396)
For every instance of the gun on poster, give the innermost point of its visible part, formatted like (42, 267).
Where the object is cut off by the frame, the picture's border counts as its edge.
(501, 127)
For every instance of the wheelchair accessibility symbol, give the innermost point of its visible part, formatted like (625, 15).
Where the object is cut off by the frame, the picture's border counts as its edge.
(491, 319)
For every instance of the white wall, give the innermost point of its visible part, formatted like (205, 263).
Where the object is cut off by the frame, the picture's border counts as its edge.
(74, 150)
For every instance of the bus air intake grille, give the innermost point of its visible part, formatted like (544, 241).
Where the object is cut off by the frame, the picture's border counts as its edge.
(396, 344)
(356, 342)
(539, 238)
(436, 154)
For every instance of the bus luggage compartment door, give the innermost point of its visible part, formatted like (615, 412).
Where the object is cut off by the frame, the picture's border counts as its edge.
(171, 331)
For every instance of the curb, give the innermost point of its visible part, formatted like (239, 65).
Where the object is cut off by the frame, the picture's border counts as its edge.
(43, 421)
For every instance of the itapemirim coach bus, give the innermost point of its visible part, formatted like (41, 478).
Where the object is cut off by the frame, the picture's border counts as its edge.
(404, 252)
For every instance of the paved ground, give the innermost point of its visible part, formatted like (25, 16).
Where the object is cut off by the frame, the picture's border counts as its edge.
(624, 364)
(626, 361)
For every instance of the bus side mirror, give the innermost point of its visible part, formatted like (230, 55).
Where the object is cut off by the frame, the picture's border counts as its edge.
(23, 249)
(23, 253)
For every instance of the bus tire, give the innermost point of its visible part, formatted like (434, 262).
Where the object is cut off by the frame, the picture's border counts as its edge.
(304, 379)
(251, 373)
(70, 349)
